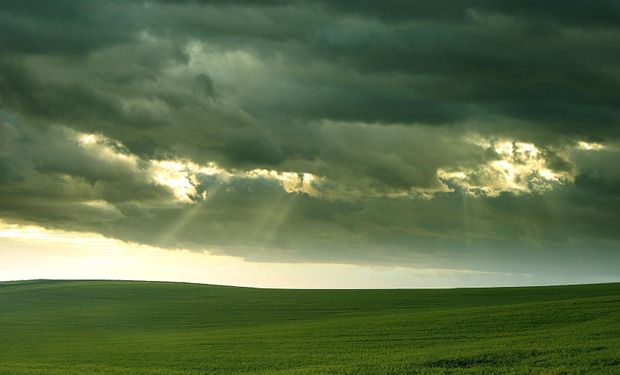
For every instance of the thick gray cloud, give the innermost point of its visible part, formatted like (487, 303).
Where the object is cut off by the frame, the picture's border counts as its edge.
(480, 134)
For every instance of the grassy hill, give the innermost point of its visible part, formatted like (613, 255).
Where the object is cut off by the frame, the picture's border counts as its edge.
(117, 327)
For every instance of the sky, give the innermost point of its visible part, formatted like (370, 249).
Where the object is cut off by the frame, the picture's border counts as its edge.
(311, 143)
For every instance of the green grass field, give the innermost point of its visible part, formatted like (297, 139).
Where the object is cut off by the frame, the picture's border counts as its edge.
(113, 327)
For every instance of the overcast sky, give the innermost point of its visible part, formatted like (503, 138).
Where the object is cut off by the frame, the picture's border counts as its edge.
(480, 136)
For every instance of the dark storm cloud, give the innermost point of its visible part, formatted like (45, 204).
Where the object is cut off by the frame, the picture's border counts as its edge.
(65, 26)
(48, 165)
(377, 99)
(519, 61)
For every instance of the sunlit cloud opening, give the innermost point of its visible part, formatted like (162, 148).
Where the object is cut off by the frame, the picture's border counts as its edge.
(106, 149)
(87, 139)
(183, 177)
(180, 177)
(587, 146)
(520, 168)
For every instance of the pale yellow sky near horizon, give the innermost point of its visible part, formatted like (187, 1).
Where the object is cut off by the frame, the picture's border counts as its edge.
(31, 252)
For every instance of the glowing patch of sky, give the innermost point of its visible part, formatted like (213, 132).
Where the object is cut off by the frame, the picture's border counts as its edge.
(31, 252)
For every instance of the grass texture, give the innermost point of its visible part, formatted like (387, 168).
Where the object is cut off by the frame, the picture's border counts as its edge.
(139, 328)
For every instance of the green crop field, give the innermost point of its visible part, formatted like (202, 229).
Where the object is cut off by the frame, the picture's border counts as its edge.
(114, 327)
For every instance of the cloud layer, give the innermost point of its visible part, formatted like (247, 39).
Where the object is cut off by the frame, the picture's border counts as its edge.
(476, 134)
